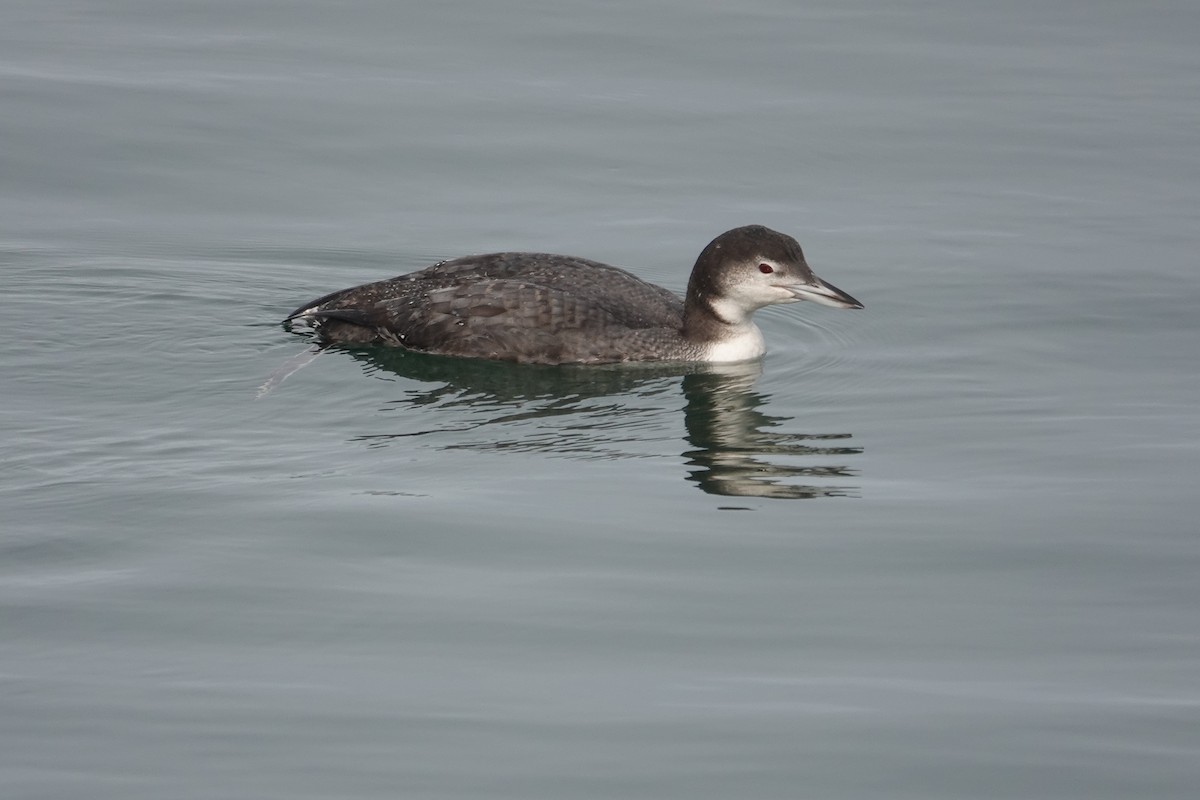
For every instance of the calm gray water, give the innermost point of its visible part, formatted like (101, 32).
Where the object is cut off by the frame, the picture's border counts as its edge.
(945, 547)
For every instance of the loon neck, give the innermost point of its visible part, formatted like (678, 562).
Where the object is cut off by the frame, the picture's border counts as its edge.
(702, 311)
(707, 314)
(722, 332)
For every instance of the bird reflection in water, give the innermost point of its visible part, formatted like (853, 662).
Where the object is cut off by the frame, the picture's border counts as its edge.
(735, 448)
(739, 452)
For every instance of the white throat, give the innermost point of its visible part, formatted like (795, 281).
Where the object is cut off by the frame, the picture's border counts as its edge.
(744, 343)
(731, 311)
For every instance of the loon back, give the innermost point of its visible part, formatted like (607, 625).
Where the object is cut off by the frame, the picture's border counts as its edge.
(525, 307)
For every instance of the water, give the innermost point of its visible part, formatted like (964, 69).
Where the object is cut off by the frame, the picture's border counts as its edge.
(943, 547)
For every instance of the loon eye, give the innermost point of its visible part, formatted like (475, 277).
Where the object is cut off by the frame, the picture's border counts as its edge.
(765, 269)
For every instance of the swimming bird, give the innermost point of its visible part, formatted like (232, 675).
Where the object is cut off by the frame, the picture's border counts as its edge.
(540, 308)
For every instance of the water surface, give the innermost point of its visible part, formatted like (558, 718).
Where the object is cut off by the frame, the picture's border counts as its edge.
(943, 547)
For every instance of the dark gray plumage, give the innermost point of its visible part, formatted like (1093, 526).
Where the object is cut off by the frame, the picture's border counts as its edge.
(552, 309)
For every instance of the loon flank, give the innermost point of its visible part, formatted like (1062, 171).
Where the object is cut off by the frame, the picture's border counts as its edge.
(538, 308)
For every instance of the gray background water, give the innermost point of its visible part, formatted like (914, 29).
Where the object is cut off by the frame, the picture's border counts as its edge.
(944, 547)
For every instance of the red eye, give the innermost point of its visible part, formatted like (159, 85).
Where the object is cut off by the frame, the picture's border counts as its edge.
(765, 269)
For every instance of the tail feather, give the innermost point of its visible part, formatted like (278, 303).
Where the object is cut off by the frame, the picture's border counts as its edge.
(356, 316)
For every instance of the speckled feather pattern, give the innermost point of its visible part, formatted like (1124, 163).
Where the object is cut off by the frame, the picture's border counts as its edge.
(525, 307)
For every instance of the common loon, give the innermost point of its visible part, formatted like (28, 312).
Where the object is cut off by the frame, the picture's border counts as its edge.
(538, 308)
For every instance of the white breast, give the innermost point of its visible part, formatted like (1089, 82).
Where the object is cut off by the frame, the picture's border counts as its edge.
(744, 345)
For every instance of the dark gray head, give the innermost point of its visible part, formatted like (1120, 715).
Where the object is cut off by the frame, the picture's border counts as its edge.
(747, 268)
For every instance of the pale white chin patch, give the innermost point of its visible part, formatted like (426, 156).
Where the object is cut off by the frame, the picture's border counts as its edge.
(744, 345)
(737, 306)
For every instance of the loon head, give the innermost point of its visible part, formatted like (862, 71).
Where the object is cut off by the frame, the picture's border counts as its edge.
(747, 268)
